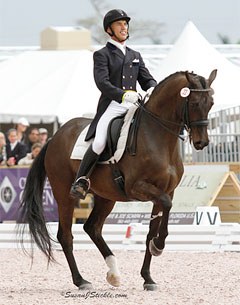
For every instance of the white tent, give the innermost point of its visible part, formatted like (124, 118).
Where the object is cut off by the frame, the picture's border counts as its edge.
(193, 52)
(55, 86)
(47, 86)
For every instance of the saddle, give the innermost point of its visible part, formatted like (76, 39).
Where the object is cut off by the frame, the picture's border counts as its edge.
(113, 134)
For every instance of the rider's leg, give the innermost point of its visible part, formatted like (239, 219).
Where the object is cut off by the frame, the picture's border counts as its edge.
(81, 184)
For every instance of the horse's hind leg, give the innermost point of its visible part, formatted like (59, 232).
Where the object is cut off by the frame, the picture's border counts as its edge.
(149, 284)
(93, 226)
(64, 235)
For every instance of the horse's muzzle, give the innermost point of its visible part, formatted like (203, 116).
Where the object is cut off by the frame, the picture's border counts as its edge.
(199, 145)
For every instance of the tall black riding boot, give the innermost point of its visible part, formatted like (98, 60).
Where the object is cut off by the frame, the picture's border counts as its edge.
(81, 184)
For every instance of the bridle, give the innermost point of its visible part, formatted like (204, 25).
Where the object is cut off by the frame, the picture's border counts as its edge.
(186, 123)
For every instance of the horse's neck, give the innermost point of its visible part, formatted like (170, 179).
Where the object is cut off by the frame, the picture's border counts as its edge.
(159, 133)
(163, 107)
(166, 102)
(166, 106)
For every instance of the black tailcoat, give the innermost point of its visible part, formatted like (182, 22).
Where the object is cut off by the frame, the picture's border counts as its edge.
(115, 73)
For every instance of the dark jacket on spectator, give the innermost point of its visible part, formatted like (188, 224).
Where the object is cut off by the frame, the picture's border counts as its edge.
(18, 152)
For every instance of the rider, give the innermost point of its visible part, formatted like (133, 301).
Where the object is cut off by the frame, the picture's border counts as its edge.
(117, 69)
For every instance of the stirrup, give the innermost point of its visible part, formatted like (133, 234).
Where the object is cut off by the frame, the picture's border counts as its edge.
(80, 187)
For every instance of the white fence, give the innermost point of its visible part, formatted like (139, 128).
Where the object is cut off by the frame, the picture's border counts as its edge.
(223, 237)
(224, 136)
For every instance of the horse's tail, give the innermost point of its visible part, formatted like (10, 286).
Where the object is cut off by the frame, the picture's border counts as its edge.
(31, 208)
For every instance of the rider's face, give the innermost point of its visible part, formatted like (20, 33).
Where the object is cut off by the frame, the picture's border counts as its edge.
(120, 29)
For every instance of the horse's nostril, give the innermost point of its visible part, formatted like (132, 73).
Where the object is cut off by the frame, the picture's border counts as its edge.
(200, 144)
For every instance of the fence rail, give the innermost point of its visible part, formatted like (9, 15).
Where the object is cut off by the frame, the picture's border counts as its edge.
(224, 136)
(223, 237)
(221, 148)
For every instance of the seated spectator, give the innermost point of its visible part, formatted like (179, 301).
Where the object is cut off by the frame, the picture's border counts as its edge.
(28, 159)
(15, 150)
(3, 154)
(21, 127)
(33, 137)
(43, 135)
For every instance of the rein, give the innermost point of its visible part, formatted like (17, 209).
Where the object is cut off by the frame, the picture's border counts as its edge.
(187, 124)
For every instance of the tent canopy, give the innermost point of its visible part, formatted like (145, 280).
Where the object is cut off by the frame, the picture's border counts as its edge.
(55, 86)
(192, 52)
(45, 86)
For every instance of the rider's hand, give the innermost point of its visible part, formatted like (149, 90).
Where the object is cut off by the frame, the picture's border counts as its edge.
(130, 97)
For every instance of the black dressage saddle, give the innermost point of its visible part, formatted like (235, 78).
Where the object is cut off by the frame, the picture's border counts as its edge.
(113, 134)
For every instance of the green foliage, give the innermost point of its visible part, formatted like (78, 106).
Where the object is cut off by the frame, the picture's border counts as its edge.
(226, 40)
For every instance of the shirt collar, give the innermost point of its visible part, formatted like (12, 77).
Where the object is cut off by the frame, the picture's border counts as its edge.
(120, 46)
(13, 145)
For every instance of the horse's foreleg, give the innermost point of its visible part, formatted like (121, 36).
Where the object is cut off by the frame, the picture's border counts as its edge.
(157, 244)
(93, 226)
(149, 284)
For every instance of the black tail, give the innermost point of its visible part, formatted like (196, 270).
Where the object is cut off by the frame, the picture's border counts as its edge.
(31, 209)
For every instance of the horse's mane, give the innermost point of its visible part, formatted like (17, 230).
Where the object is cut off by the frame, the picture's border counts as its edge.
(201, 79)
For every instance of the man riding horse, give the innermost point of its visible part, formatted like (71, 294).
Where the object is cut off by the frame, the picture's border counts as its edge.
(117, 69)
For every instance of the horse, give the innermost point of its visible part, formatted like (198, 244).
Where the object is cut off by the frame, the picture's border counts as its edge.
(183, 99)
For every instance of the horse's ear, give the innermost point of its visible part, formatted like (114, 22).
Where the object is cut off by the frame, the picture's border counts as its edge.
(190, 77)
(212, 76)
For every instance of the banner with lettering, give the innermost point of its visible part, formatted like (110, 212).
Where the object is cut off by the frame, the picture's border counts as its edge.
(196, 188)
(12, 183)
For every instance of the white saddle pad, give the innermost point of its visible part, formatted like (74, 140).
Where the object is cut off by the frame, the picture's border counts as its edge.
(81, 145)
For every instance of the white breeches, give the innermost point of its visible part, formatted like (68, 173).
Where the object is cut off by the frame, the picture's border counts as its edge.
(114, 109)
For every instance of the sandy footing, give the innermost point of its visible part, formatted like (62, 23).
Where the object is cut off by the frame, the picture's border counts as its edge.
(182, 278)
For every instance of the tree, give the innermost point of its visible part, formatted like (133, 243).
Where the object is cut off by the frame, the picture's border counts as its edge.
(142, 30)
(225, 39)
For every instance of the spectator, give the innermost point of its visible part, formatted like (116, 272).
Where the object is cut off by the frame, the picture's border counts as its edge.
(43, 135)
(33, 138)
(3, 154)
(21, 128)
(28, 159)
(15, 150)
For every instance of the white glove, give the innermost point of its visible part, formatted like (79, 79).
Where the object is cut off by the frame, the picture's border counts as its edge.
(150, 90)
(130, 97)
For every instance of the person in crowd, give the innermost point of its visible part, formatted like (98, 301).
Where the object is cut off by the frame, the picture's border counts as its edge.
(117, 69)
(15, 150)
(3, 153)
(21, 127)
(28, 159)
(43, 135)
(33, 137)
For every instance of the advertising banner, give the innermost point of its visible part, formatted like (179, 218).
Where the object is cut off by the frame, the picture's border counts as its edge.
(12, 183)
(196, 188)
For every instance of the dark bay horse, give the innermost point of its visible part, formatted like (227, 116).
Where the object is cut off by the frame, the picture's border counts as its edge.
(182, 99)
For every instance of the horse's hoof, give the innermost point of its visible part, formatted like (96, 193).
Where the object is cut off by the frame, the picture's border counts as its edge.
(153, 249)
(85, 285)
(150, 287)
(113, 279)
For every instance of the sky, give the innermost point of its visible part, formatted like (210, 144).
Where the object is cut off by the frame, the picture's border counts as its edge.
(21, 21)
